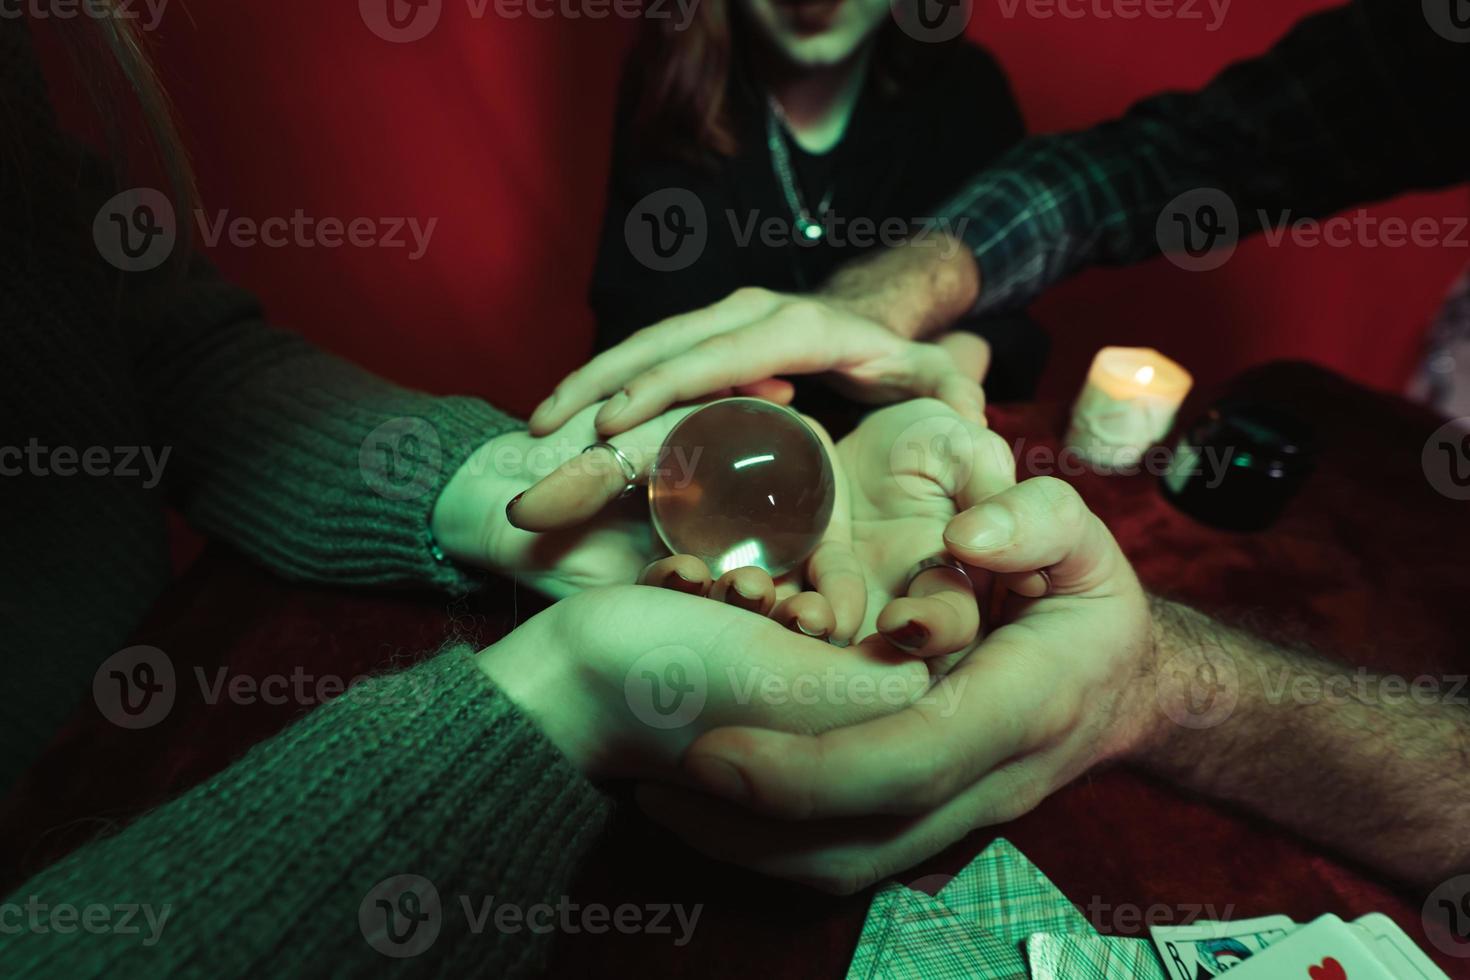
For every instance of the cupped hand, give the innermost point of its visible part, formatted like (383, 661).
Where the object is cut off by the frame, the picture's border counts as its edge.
(1059, 688)
(824, 597)
(623, 679)
(742, 345)
(900, 477)
(785, 599)
(910, 468)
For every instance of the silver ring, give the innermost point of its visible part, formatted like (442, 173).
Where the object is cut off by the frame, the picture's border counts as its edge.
(941, 560)
(630, 472)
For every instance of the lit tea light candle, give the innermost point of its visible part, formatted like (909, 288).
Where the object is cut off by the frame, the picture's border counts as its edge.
(1127, 404)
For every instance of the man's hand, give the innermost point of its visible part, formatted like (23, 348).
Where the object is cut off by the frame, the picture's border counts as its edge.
(1058, 689)
(1090, 670)
(744, 342)
(623, 679)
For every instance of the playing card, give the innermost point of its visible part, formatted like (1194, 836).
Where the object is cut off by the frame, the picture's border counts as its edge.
(878, 929)
(1008, 896)
(1323, 949)
(1207, 949)
(974, 927)
(910, 936)
(1082, 957)
(1394, 949)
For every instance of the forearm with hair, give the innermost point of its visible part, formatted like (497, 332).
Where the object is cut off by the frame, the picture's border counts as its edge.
(1375, 766)
(915, 289)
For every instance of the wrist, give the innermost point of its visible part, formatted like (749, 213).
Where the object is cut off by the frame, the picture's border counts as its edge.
(1154, 709)
(914, 289)
(1194, 686)
(465, 522)
(530, 667)
(953, 281)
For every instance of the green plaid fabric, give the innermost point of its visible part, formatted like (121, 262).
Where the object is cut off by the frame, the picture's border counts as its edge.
(1355, 104)
(1092, 958)
(974, 928)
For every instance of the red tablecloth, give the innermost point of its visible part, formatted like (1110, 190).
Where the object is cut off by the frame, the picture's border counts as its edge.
(1368, 564)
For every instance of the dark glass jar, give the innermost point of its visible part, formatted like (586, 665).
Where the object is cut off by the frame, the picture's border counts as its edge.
(1238, 465)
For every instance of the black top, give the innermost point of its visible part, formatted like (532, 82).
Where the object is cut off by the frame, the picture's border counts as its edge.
(903, 154)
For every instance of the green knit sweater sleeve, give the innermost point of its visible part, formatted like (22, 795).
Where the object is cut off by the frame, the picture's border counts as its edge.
(317, 468)
(379, 828)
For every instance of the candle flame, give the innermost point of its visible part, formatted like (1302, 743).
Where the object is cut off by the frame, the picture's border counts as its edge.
(1144, 374)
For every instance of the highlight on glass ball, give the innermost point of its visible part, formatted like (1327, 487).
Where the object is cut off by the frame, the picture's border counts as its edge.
(742, 482)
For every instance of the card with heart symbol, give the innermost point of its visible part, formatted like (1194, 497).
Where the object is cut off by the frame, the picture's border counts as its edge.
(1324, 949)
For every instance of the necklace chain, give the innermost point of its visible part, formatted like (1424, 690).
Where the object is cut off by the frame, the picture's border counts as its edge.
(807, 226)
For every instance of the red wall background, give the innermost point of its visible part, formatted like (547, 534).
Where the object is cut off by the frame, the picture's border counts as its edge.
(499, 128)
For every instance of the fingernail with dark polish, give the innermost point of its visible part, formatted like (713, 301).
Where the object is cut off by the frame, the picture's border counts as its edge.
(511, 505)
(679, 583)
(743, 601)
(910, 636)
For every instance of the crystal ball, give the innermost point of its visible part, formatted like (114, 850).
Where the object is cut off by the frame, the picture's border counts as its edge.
(742, 482)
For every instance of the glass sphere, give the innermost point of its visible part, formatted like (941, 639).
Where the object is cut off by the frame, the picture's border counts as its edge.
(742, 482)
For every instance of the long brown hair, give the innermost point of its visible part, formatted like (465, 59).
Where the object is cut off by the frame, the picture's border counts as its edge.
(109, 56)
(681, 79)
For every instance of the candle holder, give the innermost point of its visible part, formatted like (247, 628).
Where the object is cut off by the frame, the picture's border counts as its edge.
(1127, 404)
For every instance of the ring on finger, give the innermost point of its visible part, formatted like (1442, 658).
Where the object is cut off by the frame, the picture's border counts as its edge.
(942, 560)
(630, 472)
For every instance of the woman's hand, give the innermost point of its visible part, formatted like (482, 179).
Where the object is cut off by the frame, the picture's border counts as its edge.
(742, 344)
(624, 679)
(1057, 690)
(608, 546)
(901, 476)
(825, 597)
(910, 469)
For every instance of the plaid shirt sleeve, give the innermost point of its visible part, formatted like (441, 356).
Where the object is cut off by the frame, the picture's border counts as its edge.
(1354, 104)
